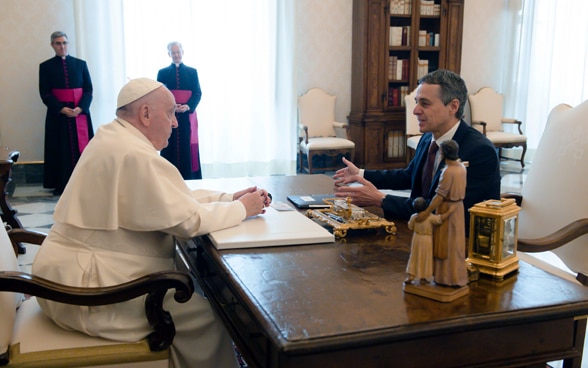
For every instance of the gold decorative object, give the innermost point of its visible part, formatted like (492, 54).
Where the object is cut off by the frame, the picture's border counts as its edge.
(343, 216)
(493, 237)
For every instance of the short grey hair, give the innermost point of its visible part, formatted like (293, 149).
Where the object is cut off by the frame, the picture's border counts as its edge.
(172, 44)
(57, 34)
(452, 87)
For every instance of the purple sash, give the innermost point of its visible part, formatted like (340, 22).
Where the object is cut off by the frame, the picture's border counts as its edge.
(182, 96)
(75, 95)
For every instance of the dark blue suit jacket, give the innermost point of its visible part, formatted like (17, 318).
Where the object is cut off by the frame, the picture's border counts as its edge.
(483, 174)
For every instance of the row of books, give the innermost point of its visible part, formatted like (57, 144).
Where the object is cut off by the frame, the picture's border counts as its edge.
(398, 68)
(428, 7)
(396, 144)
(404, 7)
(400, 7)
(423, 68)
(428, 38)
(399, 36)
(396, 95)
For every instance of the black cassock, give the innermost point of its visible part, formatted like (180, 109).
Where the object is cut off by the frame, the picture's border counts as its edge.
(63, 144)
(181, 151)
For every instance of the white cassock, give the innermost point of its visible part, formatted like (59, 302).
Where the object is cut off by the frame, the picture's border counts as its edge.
(114, 223)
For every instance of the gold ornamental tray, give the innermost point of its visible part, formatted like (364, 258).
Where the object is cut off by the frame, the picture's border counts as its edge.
(342, 216)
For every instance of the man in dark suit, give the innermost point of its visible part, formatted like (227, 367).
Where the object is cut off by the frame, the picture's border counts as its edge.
(182, 81)
(440, 98)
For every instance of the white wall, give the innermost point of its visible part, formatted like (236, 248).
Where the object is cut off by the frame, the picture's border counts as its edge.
(482, 57)
(323, 48)
(25, 30)
(483, 51)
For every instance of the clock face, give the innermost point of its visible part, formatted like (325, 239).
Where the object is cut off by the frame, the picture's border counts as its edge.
(484, 238)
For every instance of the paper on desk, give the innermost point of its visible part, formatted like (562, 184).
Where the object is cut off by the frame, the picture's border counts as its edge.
(399, 193)
(273, 228)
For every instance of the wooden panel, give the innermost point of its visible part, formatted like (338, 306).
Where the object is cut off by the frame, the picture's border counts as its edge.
(453, 26)
(370, 58)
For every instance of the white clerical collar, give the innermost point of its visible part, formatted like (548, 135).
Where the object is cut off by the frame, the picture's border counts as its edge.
(177, 64)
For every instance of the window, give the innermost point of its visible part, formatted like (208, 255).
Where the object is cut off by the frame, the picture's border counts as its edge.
(243, 51)
(550, 61)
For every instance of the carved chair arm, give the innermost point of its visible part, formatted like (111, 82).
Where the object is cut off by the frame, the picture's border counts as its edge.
(341, 129)
(555, 240)
(514, 122)
(482, 123)
(304, 128)
(155, 285)
(18, 236)
(552, 241)
(561, 237)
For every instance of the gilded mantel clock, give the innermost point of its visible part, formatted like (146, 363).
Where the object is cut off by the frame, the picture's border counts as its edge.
(493, 237)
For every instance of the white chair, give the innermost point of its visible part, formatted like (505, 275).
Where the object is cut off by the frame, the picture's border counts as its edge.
(413, 135)
(486, 108)
(30, 339)
(557, 111)
(554, 205)
(323, 141)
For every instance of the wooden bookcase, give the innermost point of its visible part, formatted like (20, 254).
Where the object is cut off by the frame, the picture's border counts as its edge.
(377, 117)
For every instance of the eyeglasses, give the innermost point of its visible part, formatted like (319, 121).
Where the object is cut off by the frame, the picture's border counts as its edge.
(64, 43)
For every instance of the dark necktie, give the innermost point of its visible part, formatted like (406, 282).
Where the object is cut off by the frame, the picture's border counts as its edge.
(428, 169)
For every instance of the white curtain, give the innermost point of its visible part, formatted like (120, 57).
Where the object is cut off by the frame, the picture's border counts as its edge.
(549, 58)
(99, 41)
(243, 51)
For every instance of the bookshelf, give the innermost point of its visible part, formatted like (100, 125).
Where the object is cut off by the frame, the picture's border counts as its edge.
(395, 42)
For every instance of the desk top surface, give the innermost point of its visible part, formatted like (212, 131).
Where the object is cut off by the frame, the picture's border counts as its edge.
(355, 286)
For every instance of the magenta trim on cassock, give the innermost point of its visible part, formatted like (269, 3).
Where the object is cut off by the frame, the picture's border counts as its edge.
(182, 96)
(75, 95)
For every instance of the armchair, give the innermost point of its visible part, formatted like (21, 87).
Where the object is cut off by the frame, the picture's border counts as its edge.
(486, 108)
(557, 111)
(413, 134)
(30, 339)
(554, 214)
(323, 141)
(7, 159)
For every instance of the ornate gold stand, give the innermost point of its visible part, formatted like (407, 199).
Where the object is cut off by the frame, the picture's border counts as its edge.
(343, 216)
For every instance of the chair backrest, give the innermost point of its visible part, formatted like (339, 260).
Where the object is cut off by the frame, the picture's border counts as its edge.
(486, 105)
(554, 193)
(412, 124)
(8, 301)
(557, 111)
(316, 110)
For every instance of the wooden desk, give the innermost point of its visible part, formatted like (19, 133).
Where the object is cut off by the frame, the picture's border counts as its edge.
(342, 304)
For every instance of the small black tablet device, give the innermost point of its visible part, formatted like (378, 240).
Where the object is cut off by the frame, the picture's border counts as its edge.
(310, 200)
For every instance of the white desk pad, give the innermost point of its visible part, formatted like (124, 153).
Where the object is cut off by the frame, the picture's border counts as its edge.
(273, 228)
